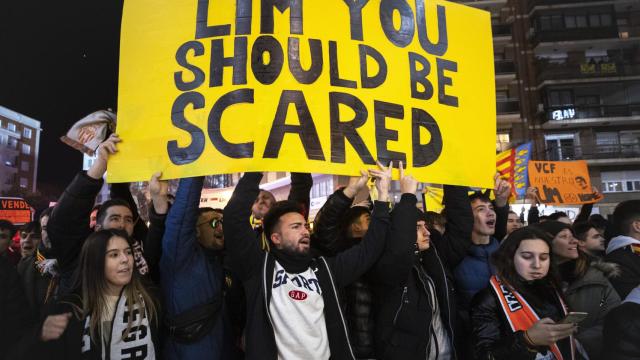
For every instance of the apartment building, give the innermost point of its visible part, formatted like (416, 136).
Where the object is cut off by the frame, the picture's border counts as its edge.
(19, 148)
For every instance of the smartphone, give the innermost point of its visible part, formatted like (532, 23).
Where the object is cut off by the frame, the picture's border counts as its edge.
(574, 318)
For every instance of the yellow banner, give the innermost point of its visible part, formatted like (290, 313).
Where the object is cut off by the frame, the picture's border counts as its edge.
(222, 86)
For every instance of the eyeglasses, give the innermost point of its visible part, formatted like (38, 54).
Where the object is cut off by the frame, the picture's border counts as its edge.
(213, 223)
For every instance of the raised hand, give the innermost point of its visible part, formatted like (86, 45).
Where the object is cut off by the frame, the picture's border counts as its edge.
(106, 149)
(159, 189)
(501, 190)
(408, 185)
(531, 196)
(382, 175)
(356, 183)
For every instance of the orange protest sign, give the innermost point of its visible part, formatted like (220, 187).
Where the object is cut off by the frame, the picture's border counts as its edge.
(562, 182)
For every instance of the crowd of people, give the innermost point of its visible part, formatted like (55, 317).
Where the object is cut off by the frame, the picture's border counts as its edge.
(370, 280)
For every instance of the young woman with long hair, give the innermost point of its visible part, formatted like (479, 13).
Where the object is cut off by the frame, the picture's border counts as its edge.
(584, 282)
(113, 312)
(517, 316)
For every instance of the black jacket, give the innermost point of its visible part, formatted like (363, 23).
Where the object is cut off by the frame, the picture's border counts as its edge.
(357, 297)
(629, 264)
(403, 320)
(255, 269)
(15, 317)
(492, 334)
(69, 345)
(622, 332)
(35, 285)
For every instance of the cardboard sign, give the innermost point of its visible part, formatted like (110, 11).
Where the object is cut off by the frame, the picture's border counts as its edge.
(562, 182)
(15, 210)
(223, 86)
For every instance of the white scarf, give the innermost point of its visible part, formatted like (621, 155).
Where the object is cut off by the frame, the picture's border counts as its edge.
(138, 345)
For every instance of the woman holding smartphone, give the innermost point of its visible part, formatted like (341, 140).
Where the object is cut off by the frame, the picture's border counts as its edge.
(517, 316)
(585, 284)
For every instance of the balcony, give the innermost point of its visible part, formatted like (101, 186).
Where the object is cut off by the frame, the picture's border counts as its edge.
(563, 71)
(592, 111)
(593, 152)
(608, 32)
(505, 107)
(534, 3)
(503, 67)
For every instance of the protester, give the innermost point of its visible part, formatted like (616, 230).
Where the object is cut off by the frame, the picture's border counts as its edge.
(339, 226)
(622, 329)
(68, 225)
(585, 284)
(590, 239)
(414, 294)
(7, 231)
(192, 276)
(44, 220)
(30, 237)
(15, 317)
(624, 249)
(517, 316)
(474, 271)
(560, 216)
(35, 283)
(299, 316)
(113, 313)
(513, 222)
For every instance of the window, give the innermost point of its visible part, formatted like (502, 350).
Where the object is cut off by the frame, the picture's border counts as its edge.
(12, 143)
(26, 149)
(24, 182)
(606, 19)
(581, 21)
(561, 147)
(556, 22)
(26, 132)
(570, 21)
(594, 20)
(560, 97)
(24, 166)
(11, 126)
(620, 181)
(4, 139)
(544, 23)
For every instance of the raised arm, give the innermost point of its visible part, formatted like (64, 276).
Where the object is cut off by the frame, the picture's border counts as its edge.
(240, 240)
(501, 191)
(300, 193)
(455, 242)
(68, 225)
(179, 241)
(326, 230)
(158, 209)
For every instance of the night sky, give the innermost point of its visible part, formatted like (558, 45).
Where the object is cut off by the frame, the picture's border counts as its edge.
(58, 63)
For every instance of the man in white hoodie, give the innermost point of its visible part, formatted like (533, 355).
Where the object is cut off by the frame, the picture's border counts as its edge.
(624, 250)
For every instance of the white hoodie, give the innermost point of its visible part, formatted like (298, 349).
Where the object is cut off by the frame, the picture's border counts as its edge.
(620, 242)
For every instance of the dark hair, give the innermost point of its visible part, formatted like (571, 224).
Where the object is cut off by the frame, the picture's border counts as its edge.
(272, 218)
(8, 225)
(598, 221)
(102, 210)
(432, 218)
(502, 259)
(204, 210)
(557, 215)
(624, 215)
(46, 212)
(580, 229)
(514, 213)
(552, 227)
(350, 217)
(479, 196)
(91, 281)
(542, 218)
(32, 226)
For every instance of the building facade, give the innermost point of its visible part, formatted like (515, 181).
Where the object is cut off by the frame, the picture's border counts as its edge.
(19, 149)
